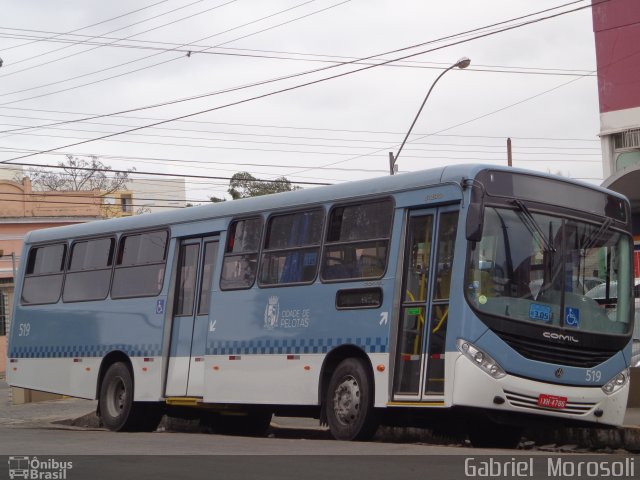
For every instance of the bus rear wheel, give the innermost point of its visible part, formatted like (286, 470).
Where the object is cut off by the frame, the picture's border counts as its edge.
(349, 402)
(118, 411)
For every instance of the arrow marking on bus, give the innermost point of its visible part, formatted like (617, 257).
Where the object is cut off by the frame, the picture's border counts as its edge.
(212, 326)
(384, 318)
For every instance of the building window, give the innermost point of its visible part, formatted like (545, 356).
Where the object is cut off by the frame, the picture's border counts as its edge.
(627, 148)
(627, 159)
(126, 202)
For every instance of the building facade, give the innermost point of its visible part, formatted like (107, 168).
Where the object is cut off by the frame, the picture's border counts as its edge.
(616, 26)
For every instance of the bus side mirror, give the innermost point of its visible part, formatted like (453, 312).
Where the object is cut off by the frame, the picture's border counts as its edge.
(475, 221)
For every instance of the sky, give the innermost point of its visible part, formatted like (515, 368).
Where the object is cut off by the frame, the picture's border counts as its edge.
(280, 88)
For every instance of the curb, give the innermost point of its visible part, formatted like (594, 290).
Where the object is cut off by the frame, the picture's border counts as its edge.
(626, 437)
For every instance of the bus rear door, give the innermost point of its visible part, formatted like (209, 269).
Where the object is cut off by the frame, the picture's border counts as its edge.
(192, 298)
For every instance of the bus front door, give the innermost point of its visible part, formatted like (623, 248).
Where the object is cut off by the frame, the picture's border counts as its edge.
(192, 298)
(419, 371)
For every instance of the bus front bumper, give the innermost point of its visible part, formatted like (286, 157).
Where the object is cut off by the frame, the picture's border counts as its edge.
(474, 388)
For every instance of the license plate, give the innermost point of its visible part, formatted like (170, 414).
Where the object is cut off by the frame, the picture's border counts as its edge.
(551, 401)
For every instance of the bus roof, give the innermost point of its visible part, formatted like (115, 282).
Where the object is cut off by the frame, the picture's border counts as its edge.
(298, 198)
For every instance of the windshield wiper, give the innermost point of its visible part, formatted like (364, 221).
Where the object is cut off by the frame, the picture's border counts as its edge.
(596, 235)
(533, 227)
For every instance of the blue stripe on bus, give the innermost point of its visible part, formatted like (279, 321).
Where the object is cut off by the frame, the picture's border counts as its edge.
(235, 347)
(69, 351)
(271, 346)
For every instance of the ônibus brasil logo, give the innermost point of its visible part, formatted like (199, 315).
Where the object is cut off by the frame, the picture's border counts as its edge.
(38, 469)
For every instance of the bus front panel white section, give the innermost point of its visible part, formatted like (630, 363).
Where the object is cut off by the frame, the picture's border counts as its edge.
(475, 388)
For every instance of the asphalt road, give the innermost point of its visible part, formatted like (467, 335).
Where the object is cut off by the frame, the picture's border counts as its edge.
(294, 449)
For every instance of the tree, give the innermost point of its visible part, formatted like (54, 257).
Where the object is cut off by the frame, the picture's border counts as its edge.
(243, 185)
(80, 174)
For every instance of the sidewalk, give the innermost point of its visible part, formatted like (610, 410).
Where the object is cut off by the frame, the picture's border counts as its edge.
(41, 413)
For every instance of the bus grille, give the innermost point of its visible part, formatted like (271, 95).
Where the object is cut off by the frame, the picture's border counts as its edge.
(528, 401)
(555, 353)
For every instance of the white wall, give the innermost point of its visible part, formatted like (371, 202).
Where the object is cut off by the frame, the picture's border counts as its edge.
(11, 173)
(157, 194)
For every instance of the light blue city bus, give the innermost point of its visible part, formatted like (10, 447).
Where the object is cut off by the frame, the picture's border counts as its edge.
(456, 297)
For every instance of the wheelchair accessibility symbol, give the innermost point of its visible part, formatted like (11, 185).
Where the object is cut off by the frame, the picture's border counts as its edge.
(160, 307)
(572, 317)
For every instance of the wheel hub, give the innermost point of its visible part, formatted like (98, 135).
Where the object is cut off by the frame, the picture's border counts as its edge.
(346, 400)
(117, 396)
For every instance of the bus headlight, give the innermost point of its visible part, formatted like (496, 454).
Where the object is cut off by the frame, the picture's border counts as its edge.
(616, 383)
(481, 359)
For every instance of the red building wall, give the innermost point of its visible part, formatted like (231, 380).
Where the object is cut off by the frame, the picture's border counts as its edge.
(616, 24)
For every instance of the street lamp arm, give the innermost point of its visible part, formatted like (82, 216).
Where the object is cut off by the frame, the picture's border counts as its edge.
(462, 63)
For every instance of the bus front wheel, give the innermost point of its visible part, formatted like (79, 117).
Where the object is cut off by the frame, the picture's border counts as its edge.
(349, 402)
(118, 411)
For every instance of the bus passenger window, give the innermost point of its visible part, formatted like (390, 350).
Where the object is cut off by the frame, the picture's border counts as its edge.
(140, 265)
(358, 241)
(241, 255)
(292, 248)
(89, 270)
(44, 274)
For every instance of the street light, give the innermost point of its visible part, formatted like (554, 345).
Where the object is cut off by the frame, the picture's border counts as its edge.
(464, 62)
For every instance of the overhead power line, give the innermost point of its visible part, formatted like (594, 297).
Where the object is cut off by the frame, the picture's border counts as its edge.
(301, 85)
(57, 35)
(171, 59)
(261, 126)
(160, 174)
(413, 146)
(115, 40)
(305, 57)
(299, 74)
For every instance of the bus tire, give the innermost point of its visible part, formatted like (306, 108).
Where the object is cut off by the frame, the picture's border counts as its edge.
(118, 411)
(349, 402)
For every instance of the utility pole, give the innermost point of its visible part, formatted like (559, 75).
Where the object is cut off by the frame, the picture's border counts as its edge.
(393, 169)
(509, 154)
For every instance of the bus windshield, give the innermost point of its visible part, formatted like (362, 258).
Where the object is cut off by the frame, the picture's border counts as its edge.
(553, 271)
